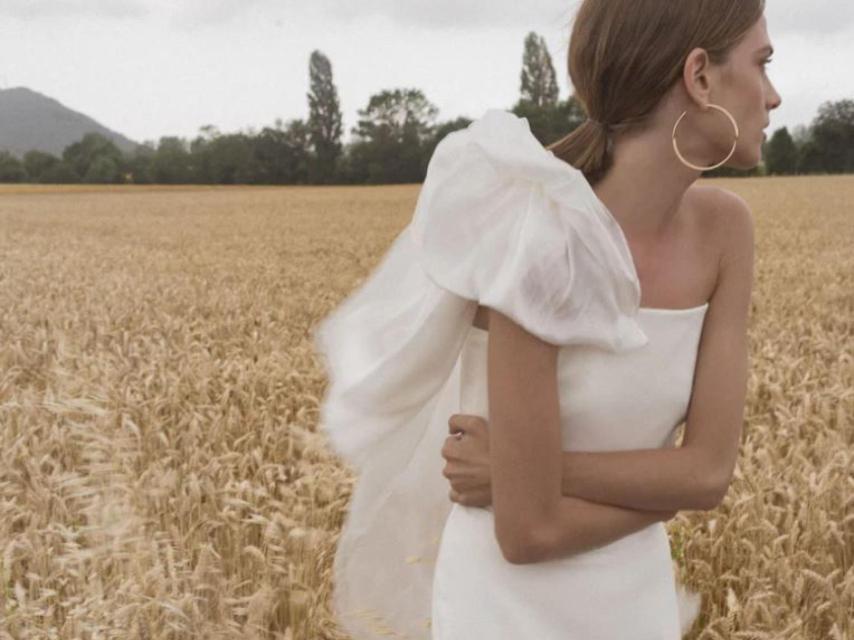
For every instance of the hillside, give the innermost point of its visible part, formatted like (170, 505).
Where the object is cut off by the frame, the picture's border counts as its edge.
(30, 120)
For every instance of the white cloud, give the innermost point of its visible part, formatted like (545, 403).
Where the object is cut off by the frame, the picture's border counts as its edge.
(168, 67)
(206, 13)
(31, 9)
(821, 17)
(453, 13)
(784, 16)
(817, 17)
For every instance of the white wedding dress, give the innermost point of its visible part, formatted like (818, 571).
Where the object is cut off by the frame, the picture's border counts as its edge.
(501, 222)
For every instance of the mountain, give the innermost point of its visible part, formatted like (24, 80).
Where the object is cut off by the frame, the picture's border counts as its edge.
(32, 121)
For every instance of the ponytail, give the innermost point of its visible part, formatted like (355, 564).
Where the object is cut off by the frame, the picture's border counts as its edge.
(588, 148)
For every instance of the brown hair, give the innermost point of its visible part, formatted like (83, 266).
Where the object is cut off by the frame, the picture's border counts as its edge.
(625, 55)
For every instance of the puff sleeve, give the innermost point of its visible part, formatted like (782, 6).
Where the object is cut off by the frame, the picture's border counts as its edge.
(502, 221)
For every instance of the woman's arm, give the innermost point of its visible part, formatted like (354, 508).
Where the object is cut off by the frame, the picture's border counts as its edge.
(665, 479)
(525, 462)
(660, 480)
(580, 525)
(533, 522)
(697, 474)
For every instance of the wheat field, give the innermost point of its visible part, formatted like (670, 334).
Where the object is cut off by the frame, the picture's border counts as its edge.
(162, 472)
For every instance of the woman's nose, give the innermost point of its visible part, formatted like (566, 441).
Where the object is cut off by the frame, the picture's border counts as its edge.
(776, 100)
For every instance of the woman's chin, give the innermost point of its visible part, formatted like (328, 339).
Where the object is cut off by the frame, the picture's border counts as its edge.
(745, 161)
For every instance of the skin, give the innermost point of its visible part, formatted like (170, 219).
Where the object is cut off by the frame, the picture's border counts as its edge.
(690, 244)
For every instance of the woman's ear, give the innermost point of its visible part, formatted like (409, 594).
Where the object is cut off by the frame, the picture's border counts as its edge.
(696, 76)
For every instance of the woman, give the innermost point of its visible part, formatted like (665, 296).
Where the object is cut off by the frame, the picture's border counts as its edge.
(584, 300)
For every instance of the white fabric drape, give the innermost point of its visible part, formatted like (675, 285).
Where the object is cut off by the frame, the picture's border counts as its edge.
(501, 222)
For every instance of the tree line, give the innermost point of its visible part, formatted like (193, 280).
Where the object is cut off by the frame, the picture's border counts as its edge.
(393, 142)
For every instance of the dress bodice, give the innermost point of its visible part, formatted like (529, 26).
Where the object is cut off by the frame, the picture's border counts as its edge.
(611, 401)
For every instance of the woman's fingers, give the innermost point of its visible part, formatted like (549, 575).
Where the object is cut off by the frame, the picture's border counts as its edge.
(465, 423)
(462, 498)
(448, 448)
(470, 499)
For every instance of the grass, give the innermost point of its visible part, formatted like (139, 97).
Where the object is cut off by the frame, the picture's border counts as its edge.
(162, 471)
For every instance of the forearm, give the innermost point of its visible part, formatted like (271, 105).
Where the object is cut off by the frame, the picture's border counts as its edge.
(669, 479)
(579, 525)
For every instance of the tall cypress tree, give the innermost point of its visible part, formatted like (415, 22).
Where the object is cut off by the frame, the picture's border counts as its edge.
(539, 82)
(324, 121)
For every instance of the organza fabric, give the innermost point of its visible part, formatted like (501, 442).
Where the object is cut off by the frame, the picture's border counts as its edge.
(501, 222)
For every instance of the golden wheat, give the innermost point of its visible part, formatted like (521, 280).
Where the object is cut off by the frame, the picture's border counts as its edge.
(162, 472)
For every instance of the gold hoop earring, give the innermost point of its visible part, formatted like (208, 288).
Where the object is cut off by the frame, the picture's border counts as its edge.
(722, 162)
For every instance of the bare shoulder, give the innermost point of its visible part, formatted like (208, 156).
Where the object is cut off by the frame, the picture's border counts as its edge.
(720, 205)
(726, 218)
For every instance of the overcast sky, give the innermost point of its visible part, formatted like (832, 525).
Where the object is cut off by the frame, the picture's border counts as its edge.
(150, 68)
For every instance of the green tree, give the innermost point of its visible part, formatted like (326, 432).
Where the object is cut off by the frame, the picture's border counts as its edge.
(833, 134)
(60, 173)
(228, 159)
(171, 163)
(297, 139)
(139, 164)
(324, 121)
(811, 157)
(103, 170)
(80, 155)
(269, 149)
(549, 118)
(391, 137)
(200, 152)
(781, 155)
(538, 83)
(11, 169)
(800, 135)
(232, 160)
(37, 163)
(282, 154)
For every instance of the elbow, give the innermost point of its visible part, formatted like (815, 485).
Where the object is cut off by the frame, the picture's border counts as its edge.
(523, 544)
(517, 553)
(710, 479)
(715, 492)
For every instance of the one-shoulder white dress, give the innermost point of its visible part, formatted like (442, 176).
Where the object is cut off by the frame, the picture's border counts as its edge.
(500, 222)
(624, 589)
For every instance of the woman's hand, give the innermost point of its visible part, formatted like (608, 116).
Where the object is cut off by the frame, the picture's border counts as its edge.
(468, 464)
